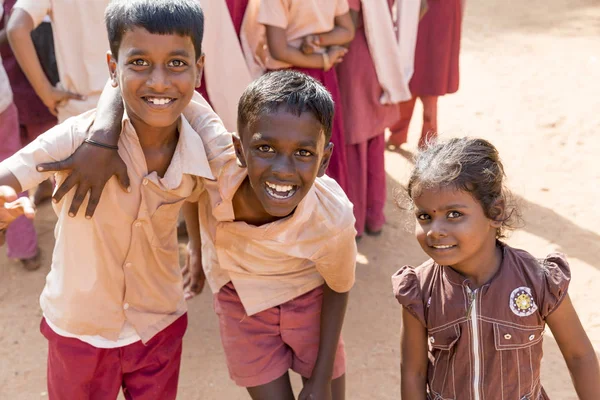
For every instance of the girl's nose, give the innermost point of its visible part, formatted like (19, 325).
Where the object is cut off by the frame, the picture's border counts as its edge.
(436, 230)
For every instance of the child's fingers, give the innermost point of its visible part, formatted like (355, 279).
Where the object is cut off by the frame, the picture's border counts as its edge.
(7, 194)
(21, 206)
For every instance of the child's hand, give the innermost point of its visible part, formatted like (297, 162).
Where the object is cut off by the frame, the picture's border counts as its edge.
(56, 96)
(336, 55)
(193, 274)
(12, 207)
(90, 168)
(315, 389)
(310, 44)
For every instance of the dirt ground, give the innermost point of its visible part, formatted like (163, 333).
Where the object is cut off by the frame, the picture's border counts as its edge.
(530, 76)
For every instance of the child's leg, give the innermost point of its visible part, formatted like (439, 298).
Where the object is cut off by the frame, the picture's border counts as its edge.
(151, 370)
(430, 127)
(376, 185)
(357, 186)
(257, 357)
(21, 239)
(400, 129)
(279, 389)
(301, 331)
(77, 370)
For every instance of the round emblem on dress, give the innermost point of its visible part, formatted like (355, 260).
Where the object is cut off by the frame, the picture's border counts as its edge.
(521, 302)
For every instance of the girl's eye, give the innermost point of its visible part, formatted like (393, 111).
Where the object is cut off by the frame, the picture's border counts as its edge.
(423, 217)
(139, 63)
(177, 63)
(454, 214)
(304, 153)
(265, 149)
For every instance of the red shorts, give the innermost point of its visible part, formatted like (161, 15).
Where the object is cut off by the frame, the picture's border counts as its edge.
(262, 347)
(77, 370)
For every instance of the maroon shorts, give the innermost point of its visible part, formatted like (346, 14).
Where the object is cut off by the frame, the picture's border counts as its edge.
(262, 347)
(77, 370)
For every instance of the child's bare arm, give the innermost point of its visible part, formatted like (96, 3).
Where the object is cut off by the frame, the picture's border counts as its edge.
(332, 318)
(19, 30)
(281, 51)
(92, 166)
(577, 350)
(413, 358)
(341, 34)
(194, 278)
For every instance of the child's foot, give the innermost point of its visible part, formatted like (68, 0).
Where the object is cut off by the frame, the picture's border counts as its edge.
(33, 263)
(43, 192)
(373, 232)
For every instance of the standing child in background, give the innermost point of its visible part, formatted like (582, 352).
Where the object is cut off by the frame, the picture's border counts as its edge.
(307, 36)
(34, 116)
(80, 42)
(20, 236)
(479, 306)
(276, 240)
(365, 120)
(436, 71)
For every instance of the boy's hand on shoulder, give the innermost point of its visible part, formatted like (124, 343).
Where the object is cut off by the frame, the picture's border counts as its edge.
(90, 168)
(193, 273)
(316, 389)
(12, 207)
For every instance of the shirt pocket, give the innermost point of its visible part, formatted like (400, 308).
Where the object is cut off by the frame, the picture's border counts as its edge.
(520, 352)
(442, 357)
(164, 225)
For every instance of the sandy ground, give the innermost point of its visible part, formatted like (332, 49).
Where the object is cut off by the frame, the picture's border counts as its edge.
(530, 83)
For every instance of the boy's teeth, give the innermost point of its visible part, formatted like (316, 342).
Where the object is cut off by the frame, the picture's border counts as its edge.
(443, 247)
(280, 188)
(159, 101)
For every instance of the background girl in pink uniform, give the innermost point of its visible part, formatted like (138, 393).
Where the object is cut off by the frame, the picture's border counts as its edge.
(365, 120)
(436, 67)
(306, 35)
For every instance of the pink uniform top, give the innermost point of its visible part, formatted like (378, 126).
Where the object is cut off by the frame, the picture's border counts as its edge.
(300, 18)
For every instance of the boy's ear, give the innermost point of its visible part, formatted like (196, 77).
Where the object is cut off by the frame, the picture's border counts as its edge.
(325, 160)
(496, 212)
(112, 69)
(200, 70)
(239, 151)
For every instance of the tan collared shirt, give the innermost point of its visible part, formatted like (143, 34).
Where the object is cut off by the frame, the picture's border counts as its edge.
(276, 262)
(300, 18)
(80, 45)
(485, 343)
(123, 264)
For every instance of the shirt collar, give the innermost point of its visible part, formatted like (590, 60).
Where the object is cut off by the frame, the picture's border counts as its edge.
(189, 156)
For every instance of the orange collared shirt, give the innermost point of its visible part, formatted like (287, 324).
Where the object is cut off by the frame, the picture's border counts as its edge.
(122, 265)
(276, 262)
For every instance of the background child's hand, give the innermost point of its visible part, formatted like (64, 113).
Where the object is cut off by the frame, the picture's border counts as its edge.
(12, 207)
(310, 44)
(57, 96)
(336, 54)
(193, 274)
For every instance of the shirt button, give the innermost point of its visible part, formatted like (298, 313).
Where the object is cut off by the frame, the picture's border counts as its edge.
(432, 339)
(128, 265)
(125, 306)
(531, 337)
(145, 182)
(507, 336)
(138, 224)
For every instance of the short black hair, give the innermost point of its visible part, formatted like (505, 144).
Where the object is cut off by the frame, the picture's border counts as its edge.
(291, 91)
(162, 17)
